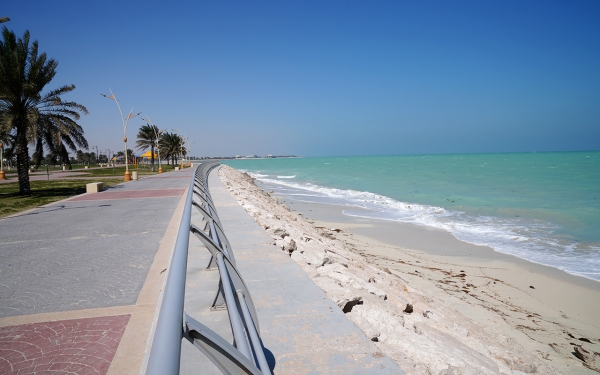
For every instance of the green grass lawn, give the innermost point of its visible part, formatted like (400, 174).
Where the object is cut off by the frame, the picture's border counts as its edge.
(42, 192)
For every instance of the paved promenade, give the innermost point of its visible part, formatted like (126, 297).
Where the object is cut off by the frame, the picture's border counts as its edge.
(80, 282)
(80, 279)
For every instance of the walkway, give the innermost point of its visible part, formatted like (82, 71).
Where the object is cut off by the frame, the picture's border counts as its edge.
(80, 279)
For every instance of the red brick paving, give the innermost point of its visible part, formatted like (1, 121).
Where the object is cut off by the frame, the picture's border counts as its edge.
(78, 346)
(154, 193)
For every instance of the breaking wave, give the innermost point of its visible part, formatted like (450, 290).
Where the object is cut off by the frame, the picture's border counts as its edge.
(530, 239)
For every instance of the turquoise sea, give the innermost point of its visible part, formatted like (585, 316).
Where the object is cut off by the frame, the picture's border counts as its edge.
(543, 207)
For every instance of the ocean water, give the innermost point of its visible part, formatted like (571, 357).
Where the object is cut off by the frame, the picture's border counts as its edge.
(543, 207)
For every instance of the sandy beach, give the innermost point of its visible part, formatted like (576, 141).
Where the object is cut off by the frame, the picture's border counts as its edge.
(549, 310)
(434, 304)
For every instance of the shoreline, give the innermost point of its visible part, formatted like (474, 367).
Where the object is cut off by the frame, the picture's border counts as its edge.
(569, 302)
(535, 313)
(441, 238)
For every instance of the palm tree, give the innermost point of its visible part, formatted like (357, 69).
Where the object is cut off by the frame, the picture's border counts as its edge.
(54, 135)
(30, 115)
(147, 137)
(171, 145)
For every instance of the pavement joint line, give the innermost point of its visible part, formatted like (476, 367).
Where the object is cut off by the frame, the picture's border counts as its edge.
(134, 347)
(65, 315)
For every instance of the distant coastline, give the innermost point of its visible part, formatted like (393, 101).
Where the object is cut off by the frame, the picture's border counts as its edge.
(248, 157)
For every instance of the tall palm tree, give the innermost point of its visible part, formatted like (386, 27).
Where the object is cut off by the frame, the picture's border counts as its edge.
(147, 137)
(43, 119)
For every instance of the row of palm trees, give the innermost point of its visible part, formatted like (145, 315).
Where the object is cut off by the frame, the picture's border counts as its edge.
(171, 145)
(29, 115)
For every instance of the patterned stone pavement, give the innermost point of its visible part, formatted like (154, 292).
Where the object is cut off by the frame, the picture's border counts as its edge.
(73, 273)
(78, 346)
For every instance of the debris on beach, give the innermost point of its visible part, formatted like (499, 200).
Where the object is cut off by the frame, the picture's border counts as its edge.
(585, 355)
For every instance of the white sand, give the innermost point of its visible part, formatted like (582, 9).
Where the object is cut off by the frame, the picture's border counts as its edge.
(474, 309)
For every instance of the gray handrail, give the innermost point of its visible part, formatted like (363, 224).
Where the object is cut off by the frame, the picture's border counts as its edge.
(246, 355)
(166, 346)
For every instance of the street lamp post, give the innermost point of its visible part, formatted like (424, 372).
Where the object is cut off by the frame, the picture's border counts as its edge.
(97, 155)
(189, 151)
(183, 156)
(2, 177)
(125, 121)
(160, 170)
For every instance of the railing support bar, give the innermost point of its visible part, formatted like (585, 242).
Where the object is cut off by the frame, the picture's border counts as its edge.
(256, 343)
(234, 317)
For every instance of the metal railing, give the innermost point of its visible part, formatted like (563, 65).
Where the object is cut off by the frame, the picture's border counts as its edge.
(246, 354)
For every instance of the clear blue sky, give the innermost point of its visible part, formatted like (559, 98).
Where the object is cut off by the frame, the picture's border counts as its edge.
(331, 77)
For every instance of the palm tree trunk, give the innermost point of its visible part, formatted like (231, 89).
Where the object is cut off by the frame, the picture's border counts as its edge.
(64, 156)
(22, 152)
(152, 157)
(39, 152)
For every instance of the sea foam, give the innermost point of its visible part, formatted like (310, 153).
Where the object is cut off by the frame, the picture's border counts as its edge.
(530, 239)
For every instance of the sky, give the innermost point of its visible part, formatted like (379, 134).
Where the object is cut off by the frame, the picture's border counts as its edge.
(320, 78)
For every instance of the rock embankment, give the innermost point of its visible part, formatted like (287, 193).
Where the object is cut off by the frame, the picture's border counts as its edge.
(420, 333)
